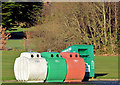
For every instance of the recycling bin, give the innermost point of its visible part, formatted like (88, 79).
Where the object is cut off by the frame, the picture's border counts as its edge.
(86, 52)
(75, 67)
(57, 67)
(30, 69)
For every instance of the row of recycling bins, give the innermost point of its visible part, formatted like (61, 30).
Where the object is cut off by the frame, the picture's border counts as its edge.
(49, 67)
(73, 64)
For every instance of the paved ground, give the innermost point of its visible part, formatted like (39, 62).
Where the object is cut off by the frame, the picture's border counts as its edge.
(91, 82)
(104, 82)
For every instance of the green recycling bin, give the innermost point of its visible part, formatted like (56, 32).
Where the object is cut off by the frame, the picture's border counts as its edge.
(87, 53)
(57, 67)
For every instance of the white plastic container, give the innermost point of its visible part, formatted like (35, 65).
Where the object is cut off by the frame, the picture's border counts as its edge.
(30, 69)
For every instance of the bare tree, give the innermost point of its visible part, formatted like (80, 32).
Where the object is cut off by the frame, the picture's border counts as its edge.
(4, 37)
(76, 23)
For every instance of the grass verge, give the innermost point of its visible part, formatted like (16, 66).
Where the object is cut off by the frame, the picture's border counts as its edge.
(15, 44)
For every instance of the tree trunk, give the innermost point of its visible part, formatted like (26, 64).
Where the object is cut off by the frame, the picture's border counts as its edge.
(110, 34)
(105, 35)
(116, 24)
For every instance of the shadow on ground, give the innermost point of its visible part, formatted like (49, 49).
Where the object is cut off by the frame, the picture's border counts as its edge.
(17, 35)
(100, 74)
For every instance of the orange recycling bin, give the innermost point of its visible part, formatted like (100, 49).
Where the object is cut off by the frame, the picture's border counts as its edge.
(75, 67)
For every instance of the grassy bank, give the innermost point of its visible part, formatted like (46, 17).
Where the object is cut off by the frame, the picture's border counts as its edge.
(18, 29)
(16, 44)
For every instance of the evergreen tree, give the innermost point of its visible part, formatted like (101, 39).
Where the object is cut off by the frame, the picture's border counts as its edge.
(24, 14)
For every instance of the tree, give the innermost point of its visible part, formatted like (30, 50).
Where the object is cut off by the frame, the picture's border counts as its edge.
(79, 24)
(3, 38)
(95, 24)
(21, 13)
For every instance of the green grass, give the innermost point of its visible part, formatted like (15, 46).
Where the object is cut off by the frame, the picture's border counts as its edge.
(18, 44)
(16, 30)
(8, 58)
(106, 65)
(15, 44)
(103, 65)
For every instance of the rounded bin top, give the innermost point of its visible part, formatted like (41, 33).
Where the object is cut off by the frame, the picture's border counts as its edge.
(30, 55)
(69, 55)
(51, 55)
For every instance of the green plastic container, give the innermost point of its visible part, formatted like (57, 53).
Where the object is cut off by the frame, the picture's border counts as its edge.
(57, 67)
(87, 53)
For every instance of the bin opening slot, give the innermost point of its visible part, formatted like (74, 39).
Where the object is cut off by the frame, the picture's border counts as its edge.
(83, 52)
(38, 55)
(51, 55)
(71, 55)
(57, 55)
(32, 56)
(76, 55)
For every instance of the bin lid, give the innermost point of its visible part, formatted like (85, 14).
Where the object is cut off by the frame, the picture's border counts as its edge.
(30, 55)
(51, 55)
(69, 55)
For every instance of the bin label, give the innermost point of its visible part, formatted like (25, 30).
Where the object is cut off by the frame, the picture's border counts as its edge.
(37, 61)
(92, 64)
(56, 61)
(75, 60)
(87, 67)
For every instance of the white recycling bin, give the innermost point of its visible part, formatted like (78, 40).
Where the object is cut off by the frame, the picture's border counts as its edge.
(30, 69)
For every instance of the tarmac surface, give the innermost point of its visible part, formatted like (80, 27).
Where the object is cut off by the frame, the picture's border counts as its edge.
(103, 82)
(90, 82)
